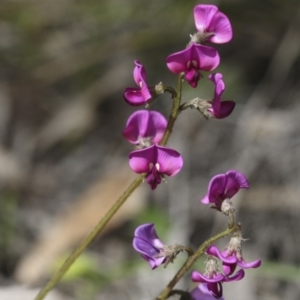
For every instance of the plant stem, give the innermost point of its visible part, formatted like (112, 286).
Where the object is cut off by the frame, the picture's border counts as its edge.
(192, 259)
(58, 275)
(89, 239)
(174, 112)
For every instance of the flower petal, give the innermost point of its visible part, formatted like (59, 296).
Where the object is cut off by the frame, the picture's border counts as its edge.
(235, 182)
(178, 62)
(157, 125)
(154, 178)
(217, 79)
(203, 14)
(207, 57)
(144, 124)
(201, 292)
(219, 89)
(221, 27)
(236, 277)
(252, 264)
(198, 277)
(226, 109)
(192, 77)
(228, 269)
(136, 126)
(144, 247)
(170, 161)
(139, 73)
(216, 289)
(145, 91)
(216, 189)
(213, 250)
(154, 262)
(140, 160)
(201, 57)
(205, 200)
(147, 232)
(133, 96)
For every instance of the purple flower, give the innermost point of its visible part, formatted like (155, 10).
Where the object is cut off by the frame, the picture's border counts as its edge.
(140, 95)
(201, 292)
(214, 279)
(193, 59)
(224, 186)
(156, 161)
(148, 244)
(211, 24)
(144, 128)
(220, 109)
(231, 257)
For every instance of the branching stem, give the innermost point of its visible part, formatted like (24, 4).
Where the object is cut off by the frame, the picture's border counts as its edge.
(58, 275)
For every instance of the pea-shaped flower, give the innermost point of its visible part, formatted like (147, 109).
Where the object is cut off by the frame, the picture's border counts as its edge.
(141, 94)
(224, 186)
(192, 60)
(145, 127)
(231, 257)
(212, 25)
(156, 161)
(149, 245)
(213, 278)
(219, 109)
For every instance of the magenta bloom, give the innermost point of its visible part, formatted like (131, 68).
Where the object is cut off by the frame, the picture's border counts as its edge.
(224, 186)
(148, 244)
(201, 292)
(212, 23)
(220, 109)
(156, 161)
(145, 127)
(140, 95)
(192, 60)
(232, 259)
(214, 281)
(213, 278)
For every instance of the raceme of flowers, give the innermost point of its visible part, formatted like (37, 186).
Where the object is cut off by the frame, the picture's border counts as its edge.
(213, 26)
(146, 130)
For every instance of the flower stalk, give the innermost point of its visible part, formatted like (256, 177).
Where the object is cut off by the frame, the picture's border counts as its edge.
(58, 275)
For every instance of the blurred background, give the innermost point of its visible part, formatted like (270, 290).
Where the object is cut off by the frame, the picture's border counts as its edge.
(63, 162)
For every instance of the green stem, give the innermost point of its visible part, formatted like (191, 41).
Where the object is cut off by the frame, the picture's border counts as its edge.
(174, 112)
(58, 275)
(89, 239)
(192, 259)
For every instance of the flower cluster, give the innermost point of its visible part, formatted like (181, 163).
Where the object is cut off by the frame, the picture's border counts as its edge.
(222, 187)
(213, 26)
(145, 129)
(231, 258)
(148, 130)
